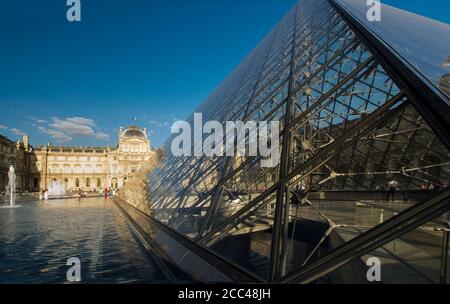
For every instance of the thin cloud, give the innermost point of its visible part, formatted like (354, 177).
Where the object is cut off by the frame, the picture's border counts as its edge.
(155, 123)
(75, 126)
(65, 129)
(159, 124)
(37, 120)
(102, 136)
(59, 136)
(17, 131)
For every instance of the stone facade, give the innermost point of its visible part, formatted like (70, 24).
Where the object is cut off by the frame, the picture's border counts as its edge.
(85, 168)
(20, 155)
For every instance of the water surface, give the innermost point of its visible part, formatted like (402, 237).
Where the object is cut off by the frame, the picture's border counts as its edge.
(37, 239)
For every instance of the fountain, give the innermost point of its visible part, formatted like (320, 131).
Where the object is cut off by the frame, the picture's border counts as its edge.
(56, 189)
(10, 188)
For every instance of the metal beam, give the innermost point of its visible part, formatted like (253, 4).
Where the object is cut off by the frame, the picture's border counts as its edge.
(281, 201)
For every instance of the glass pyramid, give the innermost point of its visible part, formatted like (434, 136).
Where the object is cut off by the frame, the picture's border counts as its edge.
(360, 105)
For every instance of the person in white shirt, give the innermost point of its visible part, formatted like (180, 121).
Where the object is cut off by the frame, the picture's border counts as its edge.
(392, 188)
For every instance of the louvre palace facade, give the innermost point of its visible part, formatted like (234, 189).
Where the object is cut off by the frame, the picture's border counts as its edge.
(77, 168)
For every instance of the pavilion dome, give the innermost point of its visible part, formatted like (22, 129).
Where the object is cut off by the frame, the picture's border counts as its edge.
(133, 132)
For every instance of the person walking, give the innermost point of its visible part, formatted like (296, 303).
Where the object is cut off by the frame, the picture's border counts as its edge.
(392, 189)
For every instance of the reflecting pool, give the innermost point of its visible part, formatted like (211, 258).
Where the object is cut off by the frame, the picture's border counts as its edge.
(37, 239)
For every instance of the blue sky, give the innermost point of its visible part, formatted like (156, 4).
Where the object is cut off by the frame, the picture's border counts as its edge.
(76, 83)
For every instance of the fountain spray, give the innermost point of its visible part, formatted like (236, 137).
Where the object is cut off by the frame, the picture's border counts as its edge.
(11, 185)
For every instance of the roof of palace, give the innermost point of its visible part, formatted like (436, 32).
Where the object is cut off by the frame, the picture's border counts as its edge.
(134, 131)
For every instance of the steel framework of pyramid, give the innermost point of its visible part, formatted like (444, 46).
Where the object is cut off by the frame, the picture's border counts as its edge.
(360, 104)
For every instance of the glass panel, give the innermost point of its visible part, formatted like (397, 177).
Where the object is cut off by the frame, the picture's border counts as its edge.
(423, 42)
(420, 256)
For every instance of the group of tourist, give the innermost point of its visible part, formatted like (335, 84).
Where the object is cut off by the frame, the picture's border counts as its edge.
(109, 192)
(393, 188)
(18, 191)
(300, 192)
(43, 195)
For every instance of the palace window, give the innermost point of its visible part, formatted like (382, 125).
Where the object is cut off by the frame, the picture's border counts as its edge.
(77, 183)
(99, 182)
(88, 182)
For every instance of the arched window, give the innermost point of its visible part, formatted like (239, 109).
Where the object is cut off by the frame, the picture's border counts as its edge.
(114, 183)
